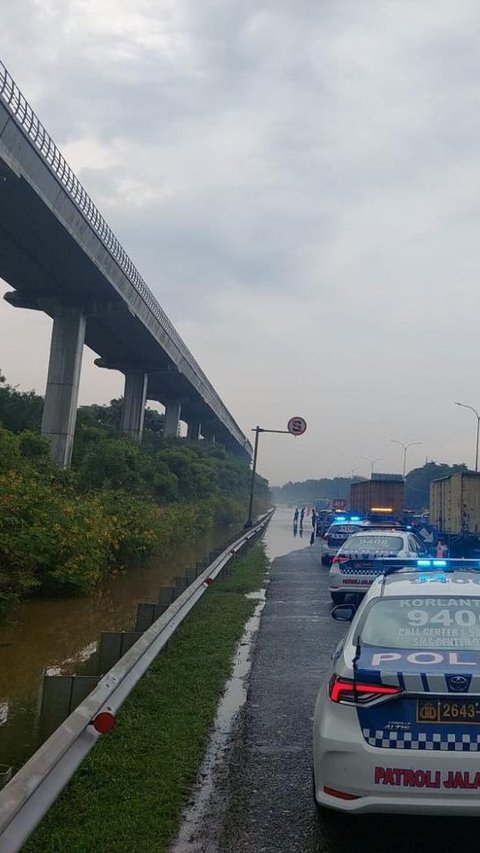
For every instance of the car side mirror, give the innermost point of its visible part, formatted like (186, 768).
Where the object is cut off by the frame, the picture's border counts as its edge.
(343, 612)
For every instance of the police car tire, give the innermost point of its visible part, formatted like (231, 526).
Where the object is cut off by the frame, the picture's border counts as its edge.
(338, 597)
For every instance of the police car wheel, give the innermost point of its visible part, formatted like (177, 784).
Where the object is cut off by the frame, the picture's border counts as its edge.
(338, 597)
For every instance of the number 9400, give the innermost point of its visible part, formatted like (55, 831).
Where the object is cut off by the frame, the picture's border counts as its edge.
(464, 618)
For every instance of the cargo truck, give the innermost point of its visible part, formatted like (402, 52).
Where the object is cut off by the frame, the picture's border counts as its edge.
(382, 495)
(455, 512)
(455, 503)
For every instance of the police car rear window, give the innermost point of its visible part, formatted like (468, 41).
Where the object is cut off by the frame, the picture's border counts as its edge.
(341, 530)
(423, 623)
(374, 544)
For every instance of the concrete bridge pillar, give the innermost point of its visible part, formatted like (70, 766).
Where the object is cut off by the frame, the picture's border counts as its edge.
(208, 433)
(134, 398)
(193, 429)
(172, 418)
(61, 395)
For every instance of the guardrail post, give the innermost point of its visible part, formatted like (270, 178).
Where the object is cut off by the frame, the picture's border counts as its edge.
(113, 645)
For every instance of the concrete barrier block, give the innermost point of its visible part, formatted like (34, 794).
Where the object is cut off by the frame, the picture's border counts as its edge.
(166, 595)
(147, 614)
(113, 645)
(60, 696)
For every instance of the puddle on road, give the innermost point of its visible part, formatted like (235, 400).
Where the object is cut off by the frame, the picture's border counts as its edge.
(280, 538)
(259, 595)
(194, 835)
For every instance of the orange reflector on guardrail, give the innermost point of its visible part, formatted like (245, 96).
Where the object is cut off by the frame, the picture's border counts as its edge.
(104, 722)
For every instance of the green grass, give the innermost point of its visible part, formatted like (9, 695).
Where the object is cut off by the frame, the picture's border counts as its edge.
(129, 792)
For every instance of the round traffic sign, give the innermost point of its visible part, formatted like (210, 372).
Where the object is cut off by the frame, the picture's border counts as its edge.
(297, 426)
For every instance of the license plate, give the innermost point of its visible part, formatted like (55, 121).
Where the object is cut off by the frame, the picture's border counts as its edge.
(448, 711)
(362, 564)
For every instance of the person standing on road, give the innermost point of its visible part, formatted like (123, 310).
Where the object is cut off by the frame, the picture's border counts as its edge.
(441, 549)
(302, 513)
(295, 515)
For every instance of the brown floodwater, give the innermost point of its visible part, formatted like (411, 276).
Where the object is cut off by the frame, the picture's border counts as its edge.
(59, 636)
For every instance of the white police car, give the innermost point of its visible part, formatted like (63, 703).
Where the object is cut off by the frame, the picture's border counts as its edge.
(397, 723)
(337, 533)
(355, 565)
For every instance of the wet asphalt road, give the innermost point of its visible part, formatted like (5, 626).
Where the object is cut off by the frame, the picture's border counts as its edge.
(266, 788)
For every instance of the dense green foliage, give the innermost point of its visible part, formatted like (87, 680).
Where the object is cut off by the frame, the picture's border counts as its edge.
(417, 486)
(310, 490)
(129, 792)
(60, 532)
(19, 410)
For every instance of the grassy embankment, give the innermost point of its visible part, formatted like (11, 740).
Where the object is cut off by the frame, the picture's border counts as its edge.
(129, 793)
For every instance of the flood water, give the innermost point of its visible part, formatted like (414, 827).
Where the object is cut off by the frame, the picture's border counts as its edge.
(280, 538)
(60, 636)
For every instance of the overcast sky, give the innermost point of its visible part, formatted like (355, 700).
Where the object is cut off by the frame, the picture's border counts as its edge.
(298, 183)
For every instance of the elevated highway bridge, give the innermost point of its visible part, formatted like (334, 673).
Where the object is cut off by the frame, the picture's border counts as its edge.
(60, 256)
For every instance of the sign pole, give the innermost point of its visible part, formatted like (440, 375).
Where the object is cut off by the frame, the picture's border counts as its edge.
(249, 521)
(295, 426)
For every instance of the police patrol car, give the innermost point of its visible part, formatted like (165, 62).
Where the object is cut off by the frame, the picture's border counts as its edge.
(337, 533)
(397, 723)
(356, 565)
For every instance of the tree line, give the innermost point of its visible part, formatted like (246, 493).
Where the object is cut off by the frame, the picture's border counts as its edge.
(417, 486)
(62, 531)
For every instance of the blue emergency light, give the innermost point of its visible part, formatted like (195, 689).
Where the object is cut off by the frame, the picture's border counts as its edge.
(394, 564)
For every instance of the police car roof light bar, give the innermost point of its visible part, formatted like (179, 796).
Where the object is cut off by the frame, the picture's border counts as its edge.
(392, 565)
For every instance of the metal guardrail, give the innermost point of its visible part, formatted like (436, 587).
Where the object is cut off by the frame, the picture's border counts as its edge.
(21, 110)
(36, 786)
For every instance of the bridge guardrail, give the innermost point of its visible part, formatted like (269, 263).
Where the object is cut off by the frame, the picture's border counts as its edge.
(36, 786)
(21, 110)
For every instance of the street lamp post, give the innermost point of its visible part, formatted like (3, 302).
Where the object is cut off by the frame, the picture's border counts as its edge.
(405, 448)
(472, 409)
(372, 462)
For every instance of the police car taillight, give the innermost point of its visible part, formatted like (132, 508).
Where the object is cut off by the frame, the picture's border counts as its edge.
(358, 692)
(339, 559)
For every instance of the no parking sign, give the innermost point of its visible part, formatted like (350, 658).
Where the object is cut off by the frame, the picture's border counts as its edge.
(297, 426)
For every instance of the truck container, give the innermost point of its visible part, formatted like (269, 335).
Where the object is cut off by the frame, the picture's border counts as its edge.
(455, 503)
(384, 496)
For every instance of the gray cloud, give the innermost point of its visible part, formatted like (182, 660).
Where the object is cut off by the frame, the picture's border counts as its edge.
(297, 182)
